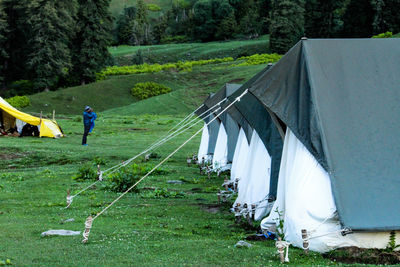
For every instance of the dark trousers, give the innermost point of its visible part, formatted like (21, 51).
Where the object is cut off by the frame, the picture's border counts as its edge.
(85, 134)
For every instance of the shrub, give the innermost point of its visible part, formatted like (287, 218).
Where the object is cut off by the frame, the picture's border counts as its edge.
(19, 101)
(86, 172)
(149, 89)
(126, 177)
(153, 7)
(163, 193)
(383, 35)
(23, 87)
(174, 39)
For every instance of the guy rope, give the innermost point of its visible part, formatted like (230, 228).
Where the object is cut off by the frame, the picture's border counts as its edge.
(89, 221)
(186, 124)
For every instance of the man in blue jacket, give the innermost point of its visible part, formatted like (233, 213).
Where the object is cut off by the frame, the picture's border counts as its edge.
(88, 122)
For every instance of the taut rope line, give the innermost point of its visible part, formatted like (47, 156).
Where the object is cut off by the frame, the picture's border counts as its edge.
(191, 123)
(86, 236)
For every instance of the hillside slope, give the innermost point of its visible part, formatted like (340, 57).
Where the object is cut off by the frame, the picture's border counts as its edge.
(189, 90)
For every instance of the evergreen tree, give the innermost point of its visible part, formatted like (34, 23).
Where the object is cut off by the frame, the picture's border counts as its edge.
(208, 15)
(92, 39)
(125, 25)
(386, 16)
(227, 27)
(358, 19)
(321, 18)
(16, 43)
(287, 24)
(49, 56)
(3, 41)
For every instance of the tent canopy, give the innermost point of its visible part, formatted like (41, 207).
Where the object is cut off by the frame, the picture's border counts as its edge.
(48, 128)
(341, 99)
(251, 111)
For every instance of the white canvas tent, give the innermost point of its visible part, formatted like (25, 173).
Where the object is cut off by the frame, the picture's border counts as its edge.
(220, 157)
(253, 186)
(305, 201)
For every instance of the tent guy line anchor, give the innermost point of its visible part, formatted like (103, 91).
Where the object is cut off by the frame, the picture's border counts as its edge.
(87, 229)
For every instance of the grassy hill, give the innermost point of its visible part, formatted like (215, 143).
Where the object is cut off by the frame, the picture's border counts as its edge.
(190, 51)
(189, 90)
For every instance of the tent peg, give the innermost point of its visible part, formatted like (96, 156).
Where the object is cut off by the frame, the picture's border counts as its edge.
(147, 157)
(226, 184)
(189, 161)
(253, 211)
(235, 185)
(69, 198)
(99, 173)
(88, 226)
(306, 244)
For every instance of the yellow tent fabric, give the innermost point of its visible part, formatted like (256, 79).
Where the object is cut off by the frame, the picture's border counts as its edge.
(47, 128)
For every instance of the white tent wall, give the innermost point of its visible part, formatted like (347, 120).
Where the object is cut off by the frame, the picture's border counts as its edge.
(239, 157)
(203, 148)
(254, 184)
(220, 157)
(305, 201)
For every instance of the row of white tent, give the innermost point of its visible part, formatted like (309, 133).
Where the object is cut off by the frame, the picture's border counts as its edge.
(303, 197)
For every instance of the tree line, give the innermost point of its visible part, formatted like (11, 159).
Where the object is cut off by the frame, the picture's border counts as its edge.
(47, 44)
(285, 20)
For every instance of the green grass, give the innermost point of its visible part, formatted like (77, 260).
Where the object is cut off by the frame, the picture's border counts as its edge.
(396, 35)
(137, 231)
(189, 90)
(190, 51)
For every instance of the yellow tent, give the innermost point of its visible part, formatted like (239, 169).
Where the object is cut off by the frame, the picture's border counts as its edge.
(47, 128)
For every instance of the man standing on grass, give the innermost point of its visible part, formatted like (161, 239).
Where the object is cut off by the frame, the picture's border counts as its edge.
(88, 123)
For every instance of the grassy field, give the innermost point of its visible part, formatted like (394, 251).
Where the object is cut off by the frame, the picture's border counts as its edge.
(190, 51)
(189, 90)
(141, 229)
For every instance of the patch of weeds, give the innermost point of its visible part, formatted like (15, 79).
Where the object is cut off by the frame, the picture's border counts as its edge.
(163, 193)
(5, 262)
(154, 155)
(99, 161)
(126, 177)
(86, 172)
(77, 119)
(211, 189)
(52, 204)
(193, 181)
(366, 256)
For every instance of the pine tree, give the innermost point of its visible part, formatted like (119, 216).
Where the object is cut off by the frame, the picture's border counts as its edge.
(3, 40)
(287, 24)
(386, 16)
(358, 19)
(321, 18)
(92, 39)
(49, 56)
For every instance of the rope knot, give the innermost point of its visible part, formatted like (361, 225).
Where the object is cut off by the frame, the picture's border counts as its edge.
(281, 245)
(88, 226)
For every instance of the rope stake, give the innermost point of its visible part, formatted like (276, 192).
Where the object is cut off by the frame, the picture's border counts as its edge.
(69, 199)
(281, 245)
(88, 226)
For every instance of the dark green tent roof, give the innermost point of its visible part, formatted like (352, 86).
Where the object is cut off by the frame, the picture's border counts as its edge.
(231, 127)
(341, 98)
(249, 110)
(213, 127)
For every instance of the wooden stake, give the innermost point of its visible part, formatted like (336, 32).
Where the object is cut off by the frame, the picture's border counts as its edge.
(281, 251)
(88, 226)
(306, 243)
(54, 114)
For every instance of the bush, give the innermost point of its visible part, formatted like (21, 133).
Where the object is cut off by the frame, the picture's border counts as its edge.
(149, 89)
(86, 172)
(19, 101)
(153, 7)
(126, 177)
(23, 87)
(383, 35)
(177, 39)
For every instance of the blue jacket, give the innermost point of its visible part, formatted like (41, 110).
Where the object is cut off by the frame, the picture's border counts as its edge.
(88, 118)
